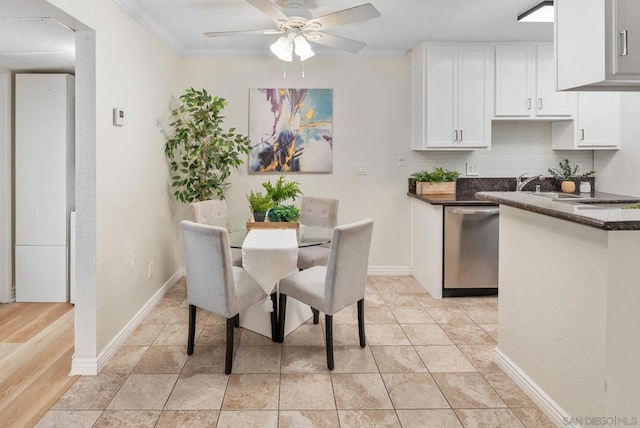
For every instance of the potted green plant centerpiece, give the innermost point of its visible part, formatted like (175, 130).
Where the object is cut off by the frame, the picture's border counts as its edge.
(279, 193)
(259, 204)
(201, 153)
(568, 175)
(438, 182)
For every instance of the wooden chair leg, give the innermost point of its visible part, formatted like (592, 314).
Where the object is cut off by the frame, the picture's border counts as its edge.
(282, 308)
(229, 357)
(192, 329)
(316, 315)
(361, 323)
(329, 339)
(274, 318)
(236, 321)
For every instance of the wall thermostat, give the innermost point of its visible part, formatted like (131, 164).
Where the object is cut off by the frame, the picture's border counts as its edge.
(118, 116)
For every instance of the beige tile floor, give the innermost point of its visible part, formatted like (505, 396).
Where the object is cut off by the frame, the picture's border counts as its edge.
(428, 363)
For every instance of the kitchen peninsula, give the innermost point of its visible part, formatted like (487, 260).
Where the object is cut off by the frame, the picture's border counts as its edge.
(568, 305)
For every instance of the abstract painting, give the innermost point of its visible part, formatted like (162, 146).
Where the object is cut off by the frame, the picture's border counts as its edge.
(291, 130)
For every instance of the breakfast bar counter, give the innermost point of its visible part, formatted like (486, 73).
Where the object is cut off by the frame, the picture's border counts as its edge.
(569, 287)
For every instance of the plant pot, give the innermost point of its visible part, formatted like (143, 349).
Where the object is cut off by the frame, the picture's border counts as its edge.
(259, 217)
(443, 188)
(568, 186)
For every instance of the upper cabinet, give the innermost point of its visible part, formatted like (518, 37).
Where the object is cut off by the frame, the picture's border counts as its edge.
(596, 125)
(525, 84)
(598, 45)
(452, 100)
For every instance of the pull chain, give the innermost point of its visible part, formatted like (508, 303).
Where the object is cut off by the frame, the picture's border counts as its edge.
(284, 69)
(302, 68)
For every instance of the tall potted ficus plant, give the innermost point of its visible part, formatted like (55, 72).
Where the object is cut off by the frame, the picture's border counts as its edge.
(201, 153)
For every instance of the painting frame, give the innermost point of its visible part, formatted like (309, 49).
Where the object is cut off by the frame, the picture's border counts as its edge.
(291, 130)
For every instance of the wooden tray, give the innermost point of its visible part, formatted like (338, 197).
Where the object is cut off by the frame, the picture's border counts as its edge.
(272, 225)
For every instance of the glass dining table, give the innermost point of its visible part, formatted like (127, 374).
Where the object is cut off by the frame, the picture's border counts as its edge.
(269, 254)
(236, 238)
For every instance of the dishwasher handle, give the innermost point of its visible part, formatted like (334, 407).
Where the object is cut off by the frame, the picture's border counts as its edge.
(476, 211)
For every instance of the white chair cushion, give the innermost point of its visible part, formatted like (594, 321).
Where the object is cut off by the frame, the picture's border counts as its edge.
(309, 257)
(307, 286)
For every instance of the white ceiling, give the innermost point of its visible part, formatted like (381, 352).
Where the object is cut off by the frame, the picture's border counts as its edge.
(33, 43)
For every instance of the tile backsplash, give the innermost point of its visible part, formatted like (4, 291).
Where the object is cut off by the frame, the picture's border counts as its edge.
(517, 147)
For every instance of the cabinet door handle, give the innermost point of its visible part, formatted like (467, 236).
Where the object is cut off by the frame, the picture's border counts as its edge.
(528, 103)
(539, 103)
(581, 134)
(624, 42)
(456, 135)
(461, 136)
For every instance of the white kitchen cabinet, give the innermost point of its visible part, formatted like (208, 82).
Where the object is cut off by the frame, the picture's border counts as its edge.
(598, 45)
(44, 183)
(525, 84)
(596, 125)
(452, 96)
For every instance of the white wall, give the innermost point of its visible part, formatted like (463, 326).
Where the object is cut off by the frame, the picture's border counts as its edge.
(618, 172)
(371, 113)
(136, 221)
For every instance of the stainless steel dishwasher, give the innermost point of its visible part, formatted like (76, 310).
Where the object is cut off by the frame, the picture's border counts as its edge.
(470, 250)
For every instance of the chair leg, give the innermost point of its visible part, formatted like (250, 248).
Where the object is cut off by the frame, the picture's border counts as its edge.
(361, 323)
(316, 315)
(274, 318)
(236, 321)
(192, 329)
(229, 357)
(282, 308)
(328, 321)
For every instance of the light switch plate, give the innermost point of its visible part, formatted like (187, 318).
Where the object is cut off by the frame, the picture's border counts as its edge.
(118, 116)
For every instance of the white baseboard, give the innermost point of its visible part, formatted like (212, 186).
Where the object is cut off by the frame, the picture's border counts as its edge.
(389, 270)
(92, 366)
(550, 408)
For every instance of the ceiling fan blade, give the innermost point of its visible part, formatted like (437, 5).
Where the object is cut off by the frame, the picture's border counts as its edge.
(241, 33)
(268, 8)
(336, 42)
(346, 16)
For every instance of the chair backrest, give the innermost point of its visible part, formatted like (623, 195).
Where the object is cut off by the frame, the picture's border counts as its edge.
(213, 212)
(209, 270)
(348, 264)
(319, 215)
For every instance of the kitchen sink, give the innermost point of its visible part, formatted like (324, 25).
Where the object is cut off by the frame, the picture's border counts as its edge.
(557, 195)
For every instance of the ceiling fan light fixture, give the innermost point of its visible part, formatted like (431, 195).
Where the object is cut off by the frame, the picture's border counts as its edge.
(542, 12)
(303, 48)
(282, 48)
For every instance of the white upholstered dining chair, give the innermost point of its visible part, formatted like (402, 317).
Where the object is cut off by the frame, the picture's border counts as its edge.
(319, 216)
(333, 287)
(215, 213)
(213, 283)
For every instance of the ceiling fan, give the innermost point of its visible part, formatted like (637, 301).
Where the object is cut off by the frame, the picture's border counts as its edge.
(297, 26)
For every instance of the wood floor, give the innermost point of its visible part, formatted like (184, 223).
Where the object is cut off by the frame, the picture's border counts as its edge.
(36, 345)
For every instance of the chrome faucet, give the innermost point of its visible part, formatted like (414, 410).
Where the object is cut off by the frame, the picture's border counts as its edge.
(520, 184)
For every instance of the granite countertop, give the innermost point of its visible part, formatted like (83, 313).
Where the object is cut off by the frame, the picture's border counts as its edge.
(466, 189)
(591, 210)
(457, 199)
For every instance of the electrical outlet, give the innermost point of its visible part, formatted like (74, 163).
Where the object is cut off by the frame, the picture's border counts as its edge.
(401, 160)
(472, 169)
(150, 270)
(361, 169)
